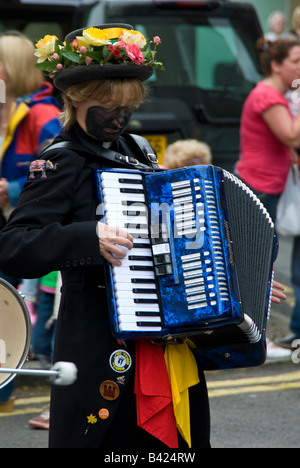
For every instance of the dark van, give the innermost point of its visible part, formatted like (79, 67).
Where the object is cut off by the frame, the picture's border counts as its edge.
(208, 50)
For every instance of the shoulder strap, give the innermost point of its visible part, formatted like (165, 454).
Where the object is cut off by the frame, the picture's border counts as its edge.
(112, 156)
(144, 145)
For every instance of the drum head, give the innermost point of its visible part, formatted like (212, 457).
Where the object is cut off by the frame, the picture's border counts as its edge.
(15, 330)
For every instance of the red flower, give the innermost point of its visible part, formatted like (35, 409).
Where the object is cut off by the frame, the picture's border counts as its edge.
(115, 50)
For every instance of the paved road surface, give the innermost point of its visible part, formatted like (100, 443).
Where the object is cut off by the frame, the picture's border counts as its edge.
(249, 408)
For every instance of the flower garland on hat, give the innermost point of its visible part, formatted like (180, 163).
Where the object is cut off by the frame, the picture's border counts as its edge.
(97, 46)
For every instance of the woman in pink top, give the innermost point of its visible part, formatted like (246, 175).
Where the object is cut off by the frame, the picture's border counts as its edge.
(269, 134)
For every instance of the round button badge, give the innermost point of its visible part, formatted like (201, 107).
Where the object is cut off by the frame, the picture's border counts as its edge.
(109, 390)
(120, 361)
(103, 413)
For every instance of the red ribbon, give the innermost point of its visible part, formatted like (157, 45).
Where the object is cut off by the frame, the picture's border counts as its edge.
(155, 412)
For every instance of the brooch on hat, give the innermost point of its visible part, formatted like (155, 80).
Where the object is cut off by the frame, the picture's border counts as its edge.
(99, 47)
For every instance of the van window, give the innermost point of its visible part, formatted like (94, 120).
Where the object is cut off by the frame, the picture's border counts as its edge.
(225, 63)
(214, 54)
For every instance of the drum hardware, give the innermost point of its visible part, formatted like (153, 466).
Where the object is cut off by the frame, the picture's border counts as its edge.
(62, 373)
(15, 339)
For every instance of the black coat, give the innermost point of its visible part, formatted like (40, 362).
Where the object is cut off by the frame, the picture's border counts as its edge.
(54, 228)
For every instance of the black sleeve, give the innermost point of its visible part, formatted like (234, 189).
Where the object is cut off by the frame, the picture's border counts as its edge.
(54, 223)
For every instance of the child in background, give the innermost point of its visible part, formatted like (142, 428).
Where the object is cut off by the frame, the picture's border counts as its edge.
(187, 153)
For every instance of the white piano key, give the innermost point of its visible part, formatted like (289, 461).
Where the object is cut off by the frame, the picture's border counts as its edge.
(134, 211)
(117, 185)
(120, 175)
(130, 294)
(134, 220)
(121, 274)
(133, 229)
(126, 310)
(143, 263)
(124, 286)
(133, 319)
(128, 327)
(140, 252)
(112, 193)
(126, 297)
(142, 241)
(130, 303)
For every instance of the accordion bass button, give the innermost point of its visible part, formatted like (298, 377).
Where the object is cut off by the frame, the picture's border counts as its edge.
(163, 270)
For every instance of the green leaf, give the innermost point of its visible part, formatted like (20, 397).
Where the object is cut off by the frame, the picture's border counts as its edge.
(57, 49)
(72, 56)
(95, 55)
(46, 66)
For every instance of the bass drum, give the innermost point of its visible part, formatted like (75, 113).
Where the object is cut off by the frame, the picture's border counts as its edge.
(15, 331)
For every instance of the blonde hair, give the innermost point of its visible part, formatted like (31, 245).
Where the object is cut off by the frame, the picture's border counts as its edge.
(129, 91)
(187, 153)
(295, 15)
(17, 57)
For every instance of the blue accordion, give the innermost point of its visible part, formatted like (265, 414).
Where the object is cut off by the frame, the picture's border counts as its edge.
(201, 268)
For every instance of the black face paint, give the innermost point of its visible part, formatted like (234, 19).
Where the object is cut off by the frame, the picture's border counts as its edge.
(107, 125)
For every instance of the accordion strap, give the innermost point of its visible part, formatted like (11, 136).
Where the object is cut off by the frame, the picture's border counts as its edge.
(113, 156)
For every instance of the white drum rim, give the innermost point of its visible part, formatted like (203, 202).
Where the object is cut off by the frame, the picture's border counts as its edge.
(26, 315)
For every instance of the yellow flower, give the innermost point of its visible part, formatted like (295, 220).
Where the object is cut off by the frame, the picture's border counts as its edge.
(99, 37)
(134, 37)
(45, 47)
(91, 419)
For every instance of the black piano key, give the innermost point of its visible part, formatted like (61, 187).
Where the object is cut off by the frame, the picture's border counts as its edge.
(131, 190)
(141, 268)
(135, 213)
(136, 226)
(137, 235)
(144, 291)
(148, 324)
(145, 301)
(147, 314)
(131, 181)
(141, 246)
(142, 281)
(131, 203)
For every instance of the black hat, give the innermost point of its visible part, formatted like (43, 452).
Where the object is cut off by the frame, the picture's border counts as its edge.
(103, 51)
(70, 76)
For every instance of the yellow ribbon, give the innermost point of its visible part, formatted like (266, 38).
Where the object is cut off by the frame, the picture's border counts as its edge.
(17, 114)
(183, 373)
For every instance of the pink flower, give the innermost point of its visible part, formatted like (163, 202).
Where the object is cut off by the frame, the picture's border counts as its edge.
(55, 56)
(157, 40)
(82, 50)
(134, 53)
(88, 60)
(75, 43)
(59, 66)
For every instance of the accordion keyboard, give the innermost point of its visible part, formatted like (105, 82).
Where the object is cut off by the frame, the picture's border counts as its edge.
(134, 282)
